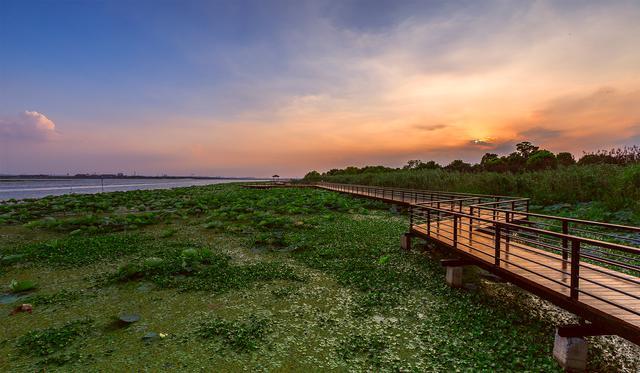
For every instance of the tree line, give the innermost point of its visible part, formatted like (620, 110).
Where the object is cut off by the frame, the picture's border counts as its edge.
(526, 157)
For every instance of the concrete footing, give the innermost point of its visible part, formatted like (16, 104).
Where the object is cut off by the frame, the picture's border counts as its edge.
(454, 276)
(405, 241)
(570, 352)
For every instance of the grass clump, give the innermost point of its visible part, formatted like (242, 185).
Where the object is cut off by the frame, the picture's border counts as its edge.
(61, 297)
(44, 342)
(370, 346)
(75, 251)
(22, 286)
(202, 270)
(240, 335)
(94, 223)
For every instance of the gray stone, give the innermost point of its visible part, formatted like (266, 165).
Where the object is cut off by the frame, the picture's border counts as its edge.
(570, 352)
(129, 318)
(150, 337)
(454, 276)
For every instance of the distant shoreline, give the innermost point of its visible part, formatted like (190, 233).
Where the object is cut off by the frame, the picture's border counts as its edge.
(123, 177)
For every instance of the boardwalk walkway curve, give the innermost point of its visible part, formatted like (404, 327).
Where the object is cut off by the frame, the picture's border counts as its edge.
(591, 269)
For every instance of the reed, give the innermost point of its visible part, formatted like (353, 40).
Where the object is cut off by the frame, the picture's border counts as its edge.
(616, 186)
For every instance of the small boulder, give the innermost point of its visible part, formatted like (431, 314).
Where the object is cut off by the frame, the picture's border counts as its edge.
(129, 318)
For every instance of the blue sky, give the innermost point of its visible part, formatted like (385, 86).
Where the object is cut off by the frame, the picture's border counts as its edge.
(257, 87)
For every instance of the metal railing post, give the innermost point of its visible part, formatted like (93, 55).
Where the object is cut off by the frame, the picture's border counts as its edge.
(507, 236)
(497, 244)
(470, 223)
(565, 241)
(575, 268)
(428, 223)
(455, 231)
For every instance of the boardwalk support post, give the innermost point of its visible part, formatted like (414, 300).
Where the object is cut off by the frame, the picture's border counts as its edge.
(405, 241)
(570, 352)
(455, 271)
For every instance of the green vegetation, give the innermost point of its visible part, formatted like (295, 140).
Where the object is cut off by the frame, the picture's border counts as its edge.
(226, 278)
(242, 336)
(608, 178)
(43, 342)
(202, 270)
(21, 286)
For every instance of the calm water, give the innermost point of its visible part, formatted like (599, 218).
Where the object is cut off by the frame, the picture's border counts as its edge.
(18, 189)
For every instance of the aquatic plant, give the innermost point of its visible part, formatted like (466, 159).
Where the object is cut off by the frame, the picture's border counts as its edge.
(43, 342)
(21, 286)
(241, 335)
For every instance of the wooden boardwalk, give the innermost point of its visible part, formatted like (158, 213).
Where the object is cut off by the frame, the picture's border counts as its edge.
(589, 268)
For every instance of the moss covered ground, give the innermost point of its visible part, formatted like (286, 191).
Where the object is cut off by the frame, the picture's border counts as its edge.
(229, 279)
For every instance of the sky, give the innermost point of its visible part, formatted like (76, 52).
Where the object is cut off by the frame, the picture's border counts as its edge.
(253, 88)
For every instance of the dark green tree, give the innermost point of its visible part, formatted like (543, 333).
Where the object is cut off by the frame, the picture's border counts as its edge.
(541, 160)
(565, 159)
(515, 162)
(430, 165)
(459, 165)
(526, 149)
(312, 176)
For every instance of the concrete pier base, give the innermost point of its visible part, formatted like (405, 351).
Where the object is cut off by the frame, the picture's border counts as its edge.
(405, 241)
(454, 276)
(570, 352)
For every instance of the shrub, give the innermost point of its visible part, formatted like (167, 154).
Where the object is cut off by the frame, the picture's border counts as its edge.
(43, 342)
(241, 335)
(565, 159)
(20, 286)
(542, 160)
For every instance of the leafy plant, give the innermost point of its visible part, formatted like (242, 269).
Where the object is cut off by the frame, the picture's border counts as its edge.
(241, 335)
(43, 342)
(17, 286)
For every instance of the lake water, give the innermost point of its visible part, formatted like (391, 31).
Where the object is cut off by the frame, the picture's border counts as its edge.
(37, 188)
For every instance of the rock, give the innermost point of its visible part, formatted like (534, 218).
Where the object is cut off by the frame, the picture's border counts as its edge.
(129, 318)
(150, 337)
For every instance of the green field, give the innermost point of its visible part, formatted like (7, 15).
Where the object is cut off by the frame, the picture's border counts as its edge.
(225, 278)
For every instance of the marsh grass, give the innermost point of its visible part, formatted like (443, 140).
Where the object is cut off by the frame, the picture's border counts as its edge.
(240, 335)
(201, 270)
(616, 187)
(44, 342)
(328, 290)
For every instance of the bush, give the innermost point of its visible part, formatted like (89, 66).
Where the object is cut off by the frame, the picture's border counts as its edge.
(43, 342)
(542, 160)
(565, 159)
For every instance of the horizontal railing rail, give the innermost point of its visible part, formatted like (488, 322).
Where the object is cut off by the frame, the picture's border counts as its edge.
(531, 250)
(347, 186)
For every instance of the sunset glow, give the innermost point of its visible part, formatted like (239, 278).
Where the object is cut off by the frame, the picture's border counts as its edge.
(216, 88)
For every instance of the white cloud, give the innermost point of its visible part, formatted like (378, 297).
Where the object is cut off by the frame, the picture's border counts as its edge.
(27, 126)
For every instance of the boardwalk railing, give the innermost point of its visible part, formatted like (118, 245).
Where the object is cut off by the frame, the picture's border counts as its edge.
(408, 196)
(590, 268)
